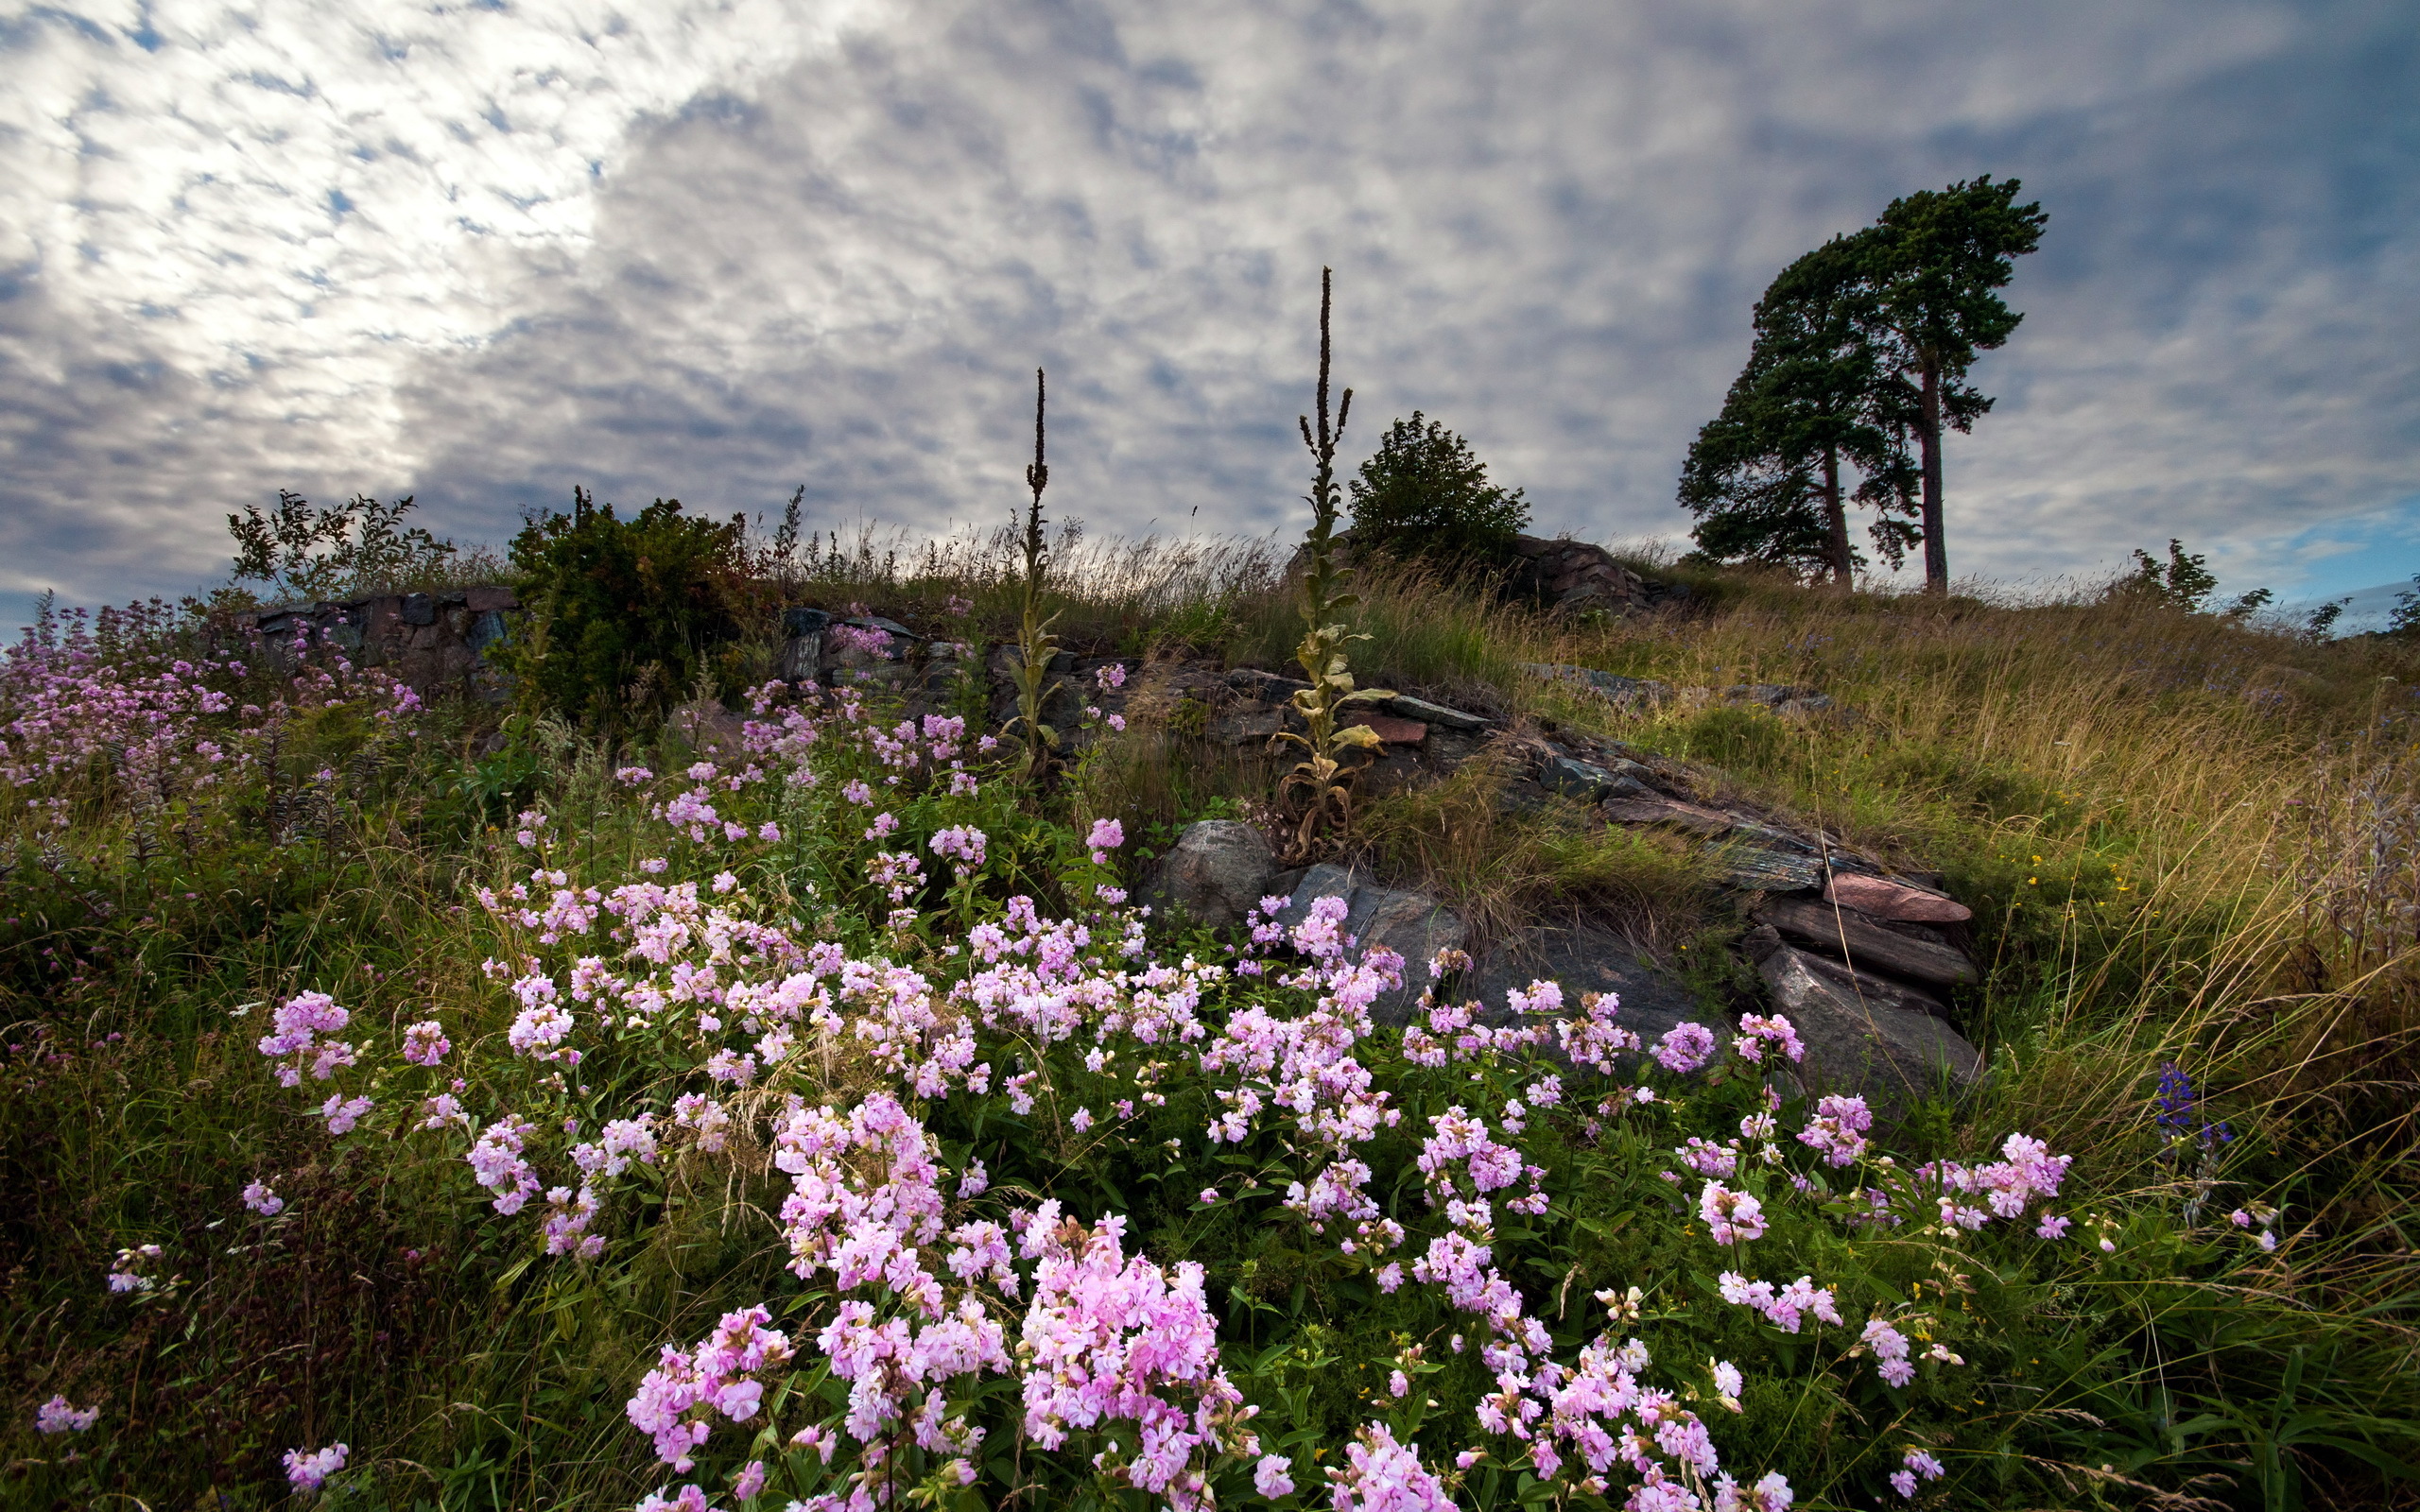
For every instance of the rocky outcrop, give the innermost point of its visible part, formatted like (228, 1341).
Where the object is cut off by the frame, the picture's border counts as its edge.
(1573, 576)
(1588, 958)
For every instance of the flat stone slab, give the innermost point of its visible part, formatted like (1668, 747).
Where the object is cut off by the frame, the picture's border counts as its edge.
(1883, 898)
(1611, 686)
(1627, 809)
(1390, 729)
(1751, 868)
(1404, 706)
(1862, 943)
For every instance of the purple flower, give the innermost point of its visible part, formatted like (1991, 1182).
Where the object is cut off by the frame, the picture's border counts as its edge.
(425, 1043)
(1903, 1481)
(1685, 1048)
(262, 1200)
(57, 1417)
(309, 1470)
(1838, 1129)
(2051, 1226)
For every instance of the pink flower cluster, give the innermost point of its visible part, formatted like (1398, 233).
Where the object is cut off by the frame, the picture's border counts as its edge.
(309, 1470)
(1783, 1307)
(57, 1417)
(677, 1400)
(293, 1040)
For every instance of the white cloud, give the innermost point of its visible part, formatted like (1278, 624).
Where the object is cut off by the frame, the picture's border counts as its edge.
(833, 249)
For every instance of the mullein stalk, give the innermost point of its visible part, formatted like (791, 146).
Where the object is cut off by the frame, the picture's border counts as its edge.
(1324, 780)
(1036, 646)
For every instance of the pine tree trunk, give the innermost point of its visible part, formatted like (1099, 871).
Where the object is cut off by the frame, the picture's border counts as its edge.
(1936, 552)
(1836, 518)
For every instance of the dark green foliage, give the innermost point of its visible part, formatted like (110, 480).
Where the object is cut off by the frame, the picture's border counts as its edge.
(2405, 618)
(1424, 495)
(1934, 263)
(625, 614)
(365, 549)
(1763, 475)
(2182, 584)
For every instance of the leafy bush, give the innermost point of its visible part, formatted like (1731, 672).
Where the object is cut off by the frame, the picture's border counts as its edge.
(625, 614)
(1424, 494)
(359, 546)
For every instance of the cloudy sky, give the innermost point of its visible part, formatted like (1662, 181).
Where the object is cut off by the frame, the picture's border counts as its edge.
(715, 249)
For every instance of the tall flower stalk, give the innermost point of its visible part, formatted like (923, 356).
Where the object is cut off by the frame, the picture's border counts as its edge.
(1323, 779)
(1036, 646)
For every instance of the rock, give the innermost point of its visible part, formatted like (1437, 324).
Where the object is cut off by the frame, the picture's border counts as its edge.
(1588, 781)
(1892, 1056)
(1218, 871)
(418, 609)
(1574, 576)
(1412, 924)
(1623, 693)
(1881, 898)
(1627, 809)
(1393, 731)
(1265, 687)
(1407, 707)
(802, 658)
(1751, 868)
(1901, 951)
(799, 620)
(1585, 958)
(1248, 726)
(490, 598)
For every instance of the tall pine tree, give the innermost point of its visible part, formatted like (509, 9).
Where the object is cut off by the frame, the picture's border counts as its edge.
(1764, 476)
(1934, 264)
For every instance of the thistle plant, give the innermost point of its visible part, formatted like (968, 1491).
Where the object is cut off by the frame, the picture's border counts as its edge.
(1324, 780)
(1036, 646)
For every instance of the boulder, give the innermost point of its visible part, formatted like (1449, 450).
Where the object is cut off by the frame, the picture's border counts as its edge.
(1883, 898)
(1904, 951)
(1586, 958)
(1892, 1056)
(1413, 925)
(1217, 871)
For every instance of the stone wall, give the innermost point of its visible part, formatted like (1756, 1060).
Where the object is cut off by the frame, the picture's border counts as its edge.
(434, 641)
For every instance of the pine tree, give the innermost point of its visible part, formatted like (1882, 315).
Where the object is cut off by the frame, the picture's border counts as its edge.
(1933, 263)
(1764, 476)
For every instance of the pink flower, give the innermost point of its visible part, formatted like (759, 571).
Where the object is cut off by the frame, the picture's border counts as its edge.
(750, 1479)
(262, 1200)
(309, 1470)
(1381, 1475)
(425, 1043)
(1269, 1477)
(343, 1112)
(2051, 1227)
(57, 1417)
(1209, 1196)
(1107, 836)
(1730, 1216)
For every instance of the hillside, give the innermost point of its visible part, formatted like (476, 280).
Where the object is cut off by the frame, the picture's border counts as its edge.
(410, 1065)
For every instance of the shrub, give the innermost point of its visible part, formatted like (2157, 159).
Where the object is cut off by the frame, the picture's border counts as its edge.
(1424, 494)
(625, 612)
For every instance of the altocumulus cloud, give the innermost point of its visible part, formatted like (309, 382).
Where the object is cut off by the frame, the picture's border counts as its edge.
(716, 250)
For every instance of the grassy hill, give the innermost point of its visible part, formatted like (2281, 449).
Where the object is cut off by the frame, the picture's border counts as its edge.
(2189, 847)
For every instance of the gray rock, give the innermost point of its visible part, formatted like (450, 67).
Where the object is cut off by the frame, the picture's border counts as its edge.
(1412, 924)
(1906, 950)
(1588, 781)
(1404, 706)
(801, 658)
(1217, 871)
(1751, 868)
(1617, 688)
(1585, 958)
(800, 620)
(1892, 1056)
(1266, 687)
(418, 609)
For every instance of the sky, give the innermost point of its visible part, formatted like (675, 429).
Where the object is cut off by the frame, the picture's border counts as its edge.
(716, 249)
